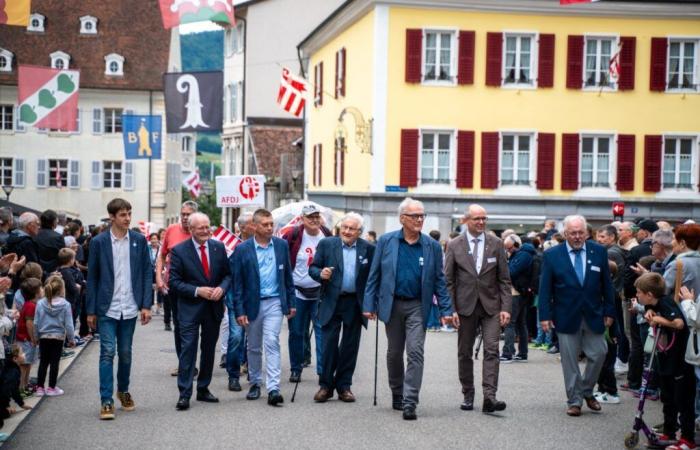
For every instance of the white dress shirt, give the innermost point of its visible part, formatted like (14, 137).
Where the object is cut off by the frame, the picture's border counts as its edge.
(123, 304)
(480, 248)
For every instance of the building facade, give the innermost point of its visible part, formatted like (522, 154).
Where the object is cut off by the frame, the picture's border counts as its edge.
(121, 56)
(506, 103)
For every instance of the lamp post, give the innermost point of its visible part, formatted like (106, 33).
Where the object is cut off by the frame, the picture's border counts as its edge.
(8, 190)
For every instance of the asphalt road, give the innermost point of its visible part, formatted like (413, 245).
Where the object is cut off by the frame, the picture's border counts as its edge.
(535, 417)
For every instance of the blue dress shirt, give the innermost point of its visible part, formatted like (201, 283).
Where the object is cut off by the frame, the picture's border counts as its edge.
(572, 256)
(409, 268)
(349, 264)
(269, 286)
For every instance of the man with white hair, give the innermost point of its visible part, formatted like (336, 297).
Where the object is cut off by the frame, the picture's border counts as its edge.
(21, 239)
(341, 265)
(576, 297)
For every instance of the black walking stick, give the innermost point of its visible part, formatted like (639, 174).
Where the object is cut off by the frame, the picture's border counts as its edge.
(296, 385)
(376, 357)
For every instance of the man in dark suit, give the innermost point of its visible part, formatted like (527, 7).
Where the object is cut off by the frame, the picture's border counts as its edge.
(199, 277)
(476, 268)
(341, 265)
(48, 242)
(119, 286)
(262, 294)
(405, 275)
(576, 297)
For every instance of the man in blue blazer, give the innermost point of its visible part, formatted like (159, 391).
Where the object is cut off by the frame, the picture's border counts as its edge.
(405, 275)
(262, 294)
(199, 278)
(341, 265)
(576, 297)
(119, 286)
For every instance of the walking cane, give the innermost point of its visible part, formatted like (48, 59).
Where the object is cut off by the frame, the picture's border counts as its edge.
(296, 385)
(376, 357)
(479, 339)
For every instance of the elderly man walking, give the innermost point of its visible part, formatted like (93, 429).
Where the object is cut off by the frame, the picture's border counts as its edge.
(576, 297)
(405, 275)
(476, 268)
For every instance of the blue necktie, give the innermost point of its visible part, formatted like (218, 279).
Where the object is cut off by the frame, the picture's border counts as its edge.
(578, 264)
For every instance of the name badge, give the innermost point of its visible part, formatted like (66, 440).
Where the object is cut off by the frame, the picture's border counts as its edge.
(491, 260)
(420, 261)
(365, 261)
(595, 268)
(281, 267)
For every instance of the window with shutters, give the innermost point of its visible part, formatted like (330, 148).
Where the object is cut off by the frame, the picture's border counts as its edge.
(318, 84)
(112, 120)
(58, 173)
(679, 159)
(683, 65)
(516, 159)
(7, 117)
(596, 64)
(596, 161)
(6, 175)
(112, 174)
(436, 148)
(317, 165)
(439, 63)
(519, 60)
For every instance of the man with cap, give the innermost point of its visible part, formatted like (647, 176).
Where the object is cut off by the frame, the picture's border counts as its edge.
(302, 241)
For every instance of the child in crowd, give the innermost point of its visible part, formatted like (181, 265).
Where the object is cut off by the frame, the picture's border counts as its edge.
(11, 375)
(74, 281)
(53, 323)
(607, 384)
(676, 377)
(31, 292)
(30, 270)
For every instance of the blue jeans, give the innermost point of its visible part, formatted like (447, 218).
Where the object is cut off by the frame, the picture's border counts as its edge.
(542, 337)
(434, 317)
(233, 348)
(116, 337)
(306, 311)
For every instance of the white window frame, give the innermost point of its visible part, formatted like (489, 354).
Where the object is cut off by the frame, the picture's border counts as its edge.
(696, 66)
(7, 165)
(39, 27)
(340, 72)
(13, 118)
(114, 58)
(317, 159)
(88, 20)
(318, 78)
(451, 164)
(108, 174)
(60, 58)
(612, 160)
(532, 176)
(534, 58)
(694, 161)
(113, 120)
(453, 56)
(50, 173)
(615, 45)
(8, 57)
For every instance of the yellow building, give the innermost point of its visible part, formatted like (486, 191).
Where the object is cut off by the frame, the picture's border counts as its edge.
(530, 108)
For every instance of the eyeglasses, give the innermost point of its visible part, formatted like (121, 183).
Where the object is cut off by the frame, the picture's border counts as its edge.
(415, 216)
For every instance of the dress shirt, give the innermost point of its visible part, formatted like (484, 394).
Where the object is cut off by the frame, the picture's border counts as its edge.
(349, 265)
(409, 268)
(199, 255)
(269, 286)
(572, 258)
(123, 304)
(480, 248)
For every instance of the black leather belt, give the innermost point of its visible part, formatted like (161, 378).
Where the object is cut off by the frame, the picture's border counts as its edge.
(347, 294)
(404, 299)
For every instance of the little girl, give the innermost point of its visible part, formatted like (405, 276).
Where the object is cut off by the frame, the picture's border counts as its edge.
(53, 323)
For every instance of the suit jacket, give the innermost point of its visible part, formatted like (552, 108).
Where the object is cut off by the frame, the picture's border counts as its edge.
(100, 280)
(187, 274)
(329, 253)
(565, 301)
(48, 244)
(491, 286)
(379, 292)
(246, 272)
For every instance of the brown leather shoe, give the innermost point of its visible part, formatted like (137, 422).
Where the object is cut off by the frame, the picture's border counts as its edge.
(573, 411)
(347, 396)
(592, 403)
(323, 395)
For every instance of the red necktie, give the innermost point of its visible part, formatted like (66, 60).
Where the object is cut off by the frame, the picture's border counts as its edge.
(205, 261)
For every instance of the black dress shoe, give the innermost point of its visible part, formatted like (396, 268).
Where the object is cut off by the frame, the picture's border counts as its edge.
(222, 363)
(295, 376)
(274, 398)
(234, 385)
(397, 402)
(206, 396)
(183, 404)
(167, 327)
(494, 405)
(253, 393)
(409, 413)
(467, 404)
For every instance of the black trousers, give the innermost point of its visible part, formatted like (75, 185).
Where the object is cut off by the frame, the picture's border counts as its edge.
(606, 380)
(167, 307)
(50, 357)
(172, 299)
(636, 359)
(339, 360)
(193, 320)
(678, 398)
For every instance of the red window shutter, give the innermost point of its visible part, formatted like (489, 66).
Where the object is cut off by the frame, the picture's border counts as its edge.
(545, 64)
(316, 165)
(465, 64)
(494, 49)
(574, 63)
(652, 163)
(409, 158)
(489, 160)
(343, 77)
(465, 159)
(316, 85)
(625, 162)
(545, 160)
(627, 56)
(320, 89)
(569, 161)
(320, 164)
(337, 75)
(657, 75)
(414, 53)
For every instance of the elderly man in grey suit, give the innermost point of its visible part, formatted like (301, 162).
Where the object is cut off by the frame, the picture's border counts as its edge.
(476, 268)
(406, 273)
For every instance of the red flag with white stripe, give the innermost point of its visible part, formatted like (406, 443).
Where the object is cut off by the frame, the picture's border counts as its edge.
(146, 227)
(292, 93)
(193, 184)
(290, 226)
(226, 236)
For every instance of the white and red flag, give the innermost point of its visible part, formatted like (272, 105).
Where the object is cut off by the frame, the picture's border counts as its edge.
(193, 184)
(48, 98)
(289, 227)
(226, 237)
(146, 227)
(292, 94)
(59, 179)
(570, 2)
(614, 65)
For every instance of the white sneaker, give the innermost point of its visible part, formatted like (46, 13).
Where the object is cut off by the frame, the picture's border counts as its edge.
(447, 329)
(607, 398)
(620, 367)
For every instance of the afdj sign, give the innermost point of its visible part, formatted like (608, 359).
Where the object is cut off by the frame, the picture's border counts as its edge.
(240, 190)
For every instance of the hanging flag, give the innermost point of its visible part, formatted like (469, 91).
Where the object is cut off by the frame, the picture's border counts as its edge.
(59, 179)
(192, 183)
(571, 2)
(292, 93)
(146, 227)
(15, 12)
(178, 12)
(614, 65)
(226, 237)
(194, 101)
(142, 136)
(48, 98)
(296, 221)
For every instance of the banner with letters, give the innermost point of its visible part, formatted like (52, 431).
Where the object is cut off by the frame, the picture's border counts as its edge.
(142, 136)
(194, 101)
(240, 190)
